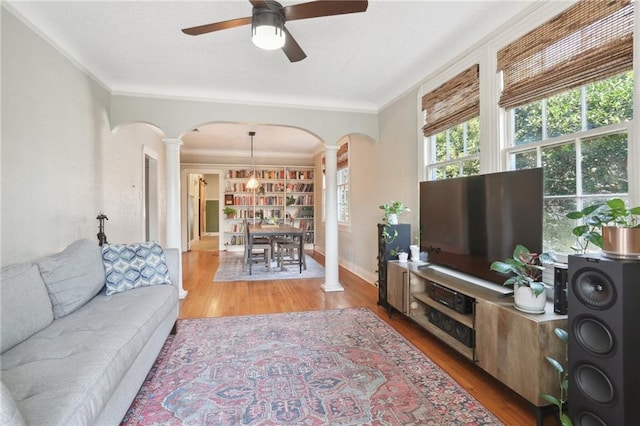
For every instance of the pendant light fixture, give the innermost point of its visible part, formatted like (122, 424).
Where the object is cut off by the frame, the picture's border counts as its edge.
(252, 183)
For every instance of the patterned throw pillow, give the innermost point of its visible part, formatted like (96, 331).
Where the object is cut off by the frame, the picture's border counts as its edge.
(130, 266)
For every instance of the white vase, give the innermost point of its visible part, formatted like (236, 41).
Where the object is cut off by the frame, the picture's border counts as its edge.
(393, 219)
(402, 257)
(526, 301)
(415, 252)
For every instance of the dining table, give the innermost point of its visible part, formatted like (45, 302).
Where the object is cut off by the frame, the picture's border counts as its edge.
(272, 231)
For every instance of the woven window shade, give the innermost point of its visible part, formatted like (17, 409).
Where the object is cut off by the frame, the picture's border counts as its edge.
(342, 158)
(455, 102)
(590, 41)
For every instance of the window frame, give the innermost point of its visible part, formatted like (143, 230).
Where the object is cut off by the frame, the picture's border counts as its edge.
(581, 199)
(341, 223)
(429, 142)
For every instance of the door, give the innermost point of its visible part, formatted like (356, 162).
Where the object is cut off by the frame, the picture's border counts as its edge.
(202, 228)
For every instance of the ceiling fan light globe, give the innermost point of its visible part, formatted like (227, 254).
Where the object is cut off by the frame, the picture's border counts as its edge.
(268, 37)
(267, 29)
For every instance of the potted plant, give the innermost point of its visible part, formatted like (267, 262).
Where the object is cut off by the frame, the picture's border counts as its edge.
(528, 288)
(403, 256)
(563, 379)
(390, 217)
(393, 211)
(611, 226)
(230, 212)
(389, 237)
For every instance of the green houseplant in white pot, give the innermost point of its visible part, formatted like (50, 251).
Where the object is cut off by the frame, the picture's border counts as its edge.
(403, 256)
(393, 211)
(526, 269)
(390, 217)
(611, 226)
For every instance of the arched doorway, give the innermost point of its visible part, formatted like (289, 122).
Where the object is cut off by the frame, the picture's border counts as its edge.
(217, 147)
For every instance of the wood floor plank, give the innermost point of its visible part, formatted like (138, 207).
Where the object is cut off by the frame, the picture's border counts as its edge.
(208, 299)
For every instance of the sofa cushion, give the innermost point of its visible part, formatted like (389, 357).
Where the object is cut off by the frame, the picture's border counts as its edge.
(9, 413)
(130, 266)
(66, 373)
(25, 307)
(73, 276)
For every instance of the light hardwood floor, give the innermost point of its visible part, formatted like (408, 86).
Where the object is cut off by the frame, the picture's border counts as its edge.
(208, 299)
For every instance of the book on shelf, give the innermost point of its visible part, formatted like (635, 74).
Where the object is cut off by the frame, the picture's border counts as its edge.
(299, 187)
(300, 174)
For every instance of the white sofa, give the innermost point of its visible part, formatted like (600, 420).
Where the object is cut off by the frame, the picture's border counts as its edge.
(71, 354)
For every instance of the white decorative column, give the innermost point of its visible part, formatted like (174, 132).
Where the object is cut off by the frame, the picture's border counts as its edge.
(172, 159)
(331, 282)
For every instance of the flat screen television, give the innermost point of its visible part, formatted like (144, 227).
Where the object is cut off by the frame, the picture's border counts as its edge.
(467, 223)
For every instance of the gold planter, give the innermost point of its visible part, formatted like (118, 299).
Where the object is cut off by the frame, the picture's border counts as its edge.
(621, 243)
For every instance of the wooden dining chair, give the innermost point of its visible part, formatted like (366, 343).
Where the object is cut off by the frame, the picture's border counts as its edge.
(288, 252)
(260, 250)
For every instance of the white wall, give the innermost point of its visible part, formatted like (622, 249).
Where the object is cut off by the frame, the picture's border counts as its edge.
(178, 116)
(61, 164)
(122, 156)
(54, 122)
(380, 172)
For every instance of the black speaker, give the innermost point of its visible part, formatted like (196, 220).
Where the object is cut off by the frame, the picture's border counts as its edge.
(604, 341)
(561, 275)
(459, 331)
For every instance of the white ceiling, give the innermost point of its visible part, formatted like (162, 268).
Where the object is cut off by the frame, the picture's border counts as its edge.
(354, 62)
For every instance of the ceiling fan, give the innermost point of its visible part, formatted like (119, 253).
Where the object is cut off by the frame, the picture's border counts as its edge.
(268, 18)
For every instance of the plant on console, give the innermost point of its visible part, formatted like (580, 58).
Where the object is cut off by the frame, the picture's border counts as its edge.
(526, 268)
(396, 251)
(393, 211)
(612, 213)
(390, 217)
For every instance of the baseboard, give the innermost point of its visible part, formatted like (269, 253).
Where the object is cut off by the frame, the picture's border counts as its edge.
(366, 275)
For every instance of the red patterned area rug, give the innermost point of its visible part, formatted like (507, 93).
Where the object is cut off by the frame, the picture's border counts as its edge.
(339, 367)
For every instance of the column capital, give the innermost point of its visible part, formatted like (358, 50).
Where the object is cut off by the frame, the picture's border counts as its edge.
(331, 148)
(172, 141)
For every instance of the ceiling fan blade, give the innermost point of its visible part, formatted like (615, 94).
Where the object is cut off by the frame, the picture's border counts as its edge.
(320, 8)
(292, 49)
(260, 4)
(209, 28)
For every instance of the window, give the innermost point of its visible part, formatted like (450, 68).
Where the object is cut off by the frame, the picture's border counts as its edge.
(452, 127)
(455, 152)
(343, 195)
(580, 138)
(567, 90)
(342, 183)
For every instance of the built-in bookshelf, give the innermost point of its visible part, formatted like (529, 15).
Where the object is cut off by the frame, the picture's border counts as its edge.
(299, 191)
(285, 195)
